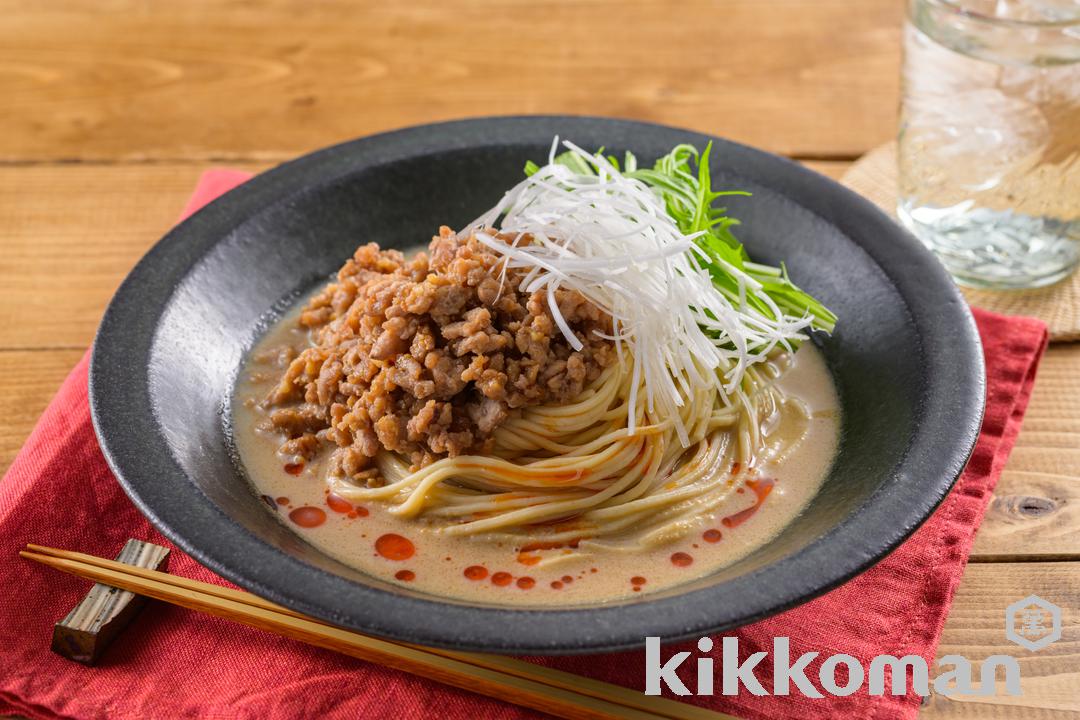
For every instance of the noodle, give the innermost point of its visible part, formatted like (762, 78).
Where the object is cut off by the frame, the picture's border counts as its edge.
(575, 473)
(591, 371)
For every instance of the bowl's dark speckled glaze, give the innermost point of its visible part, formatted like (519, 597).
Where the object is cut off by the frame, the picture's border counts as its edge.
(905, 357)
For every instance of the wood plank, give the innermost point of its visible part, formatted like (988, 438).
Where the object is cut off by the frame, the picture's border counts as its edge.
(834, 169)
(1050, 678)
(1035, 511)
(121, 79)
(70, 234)
(28, 380)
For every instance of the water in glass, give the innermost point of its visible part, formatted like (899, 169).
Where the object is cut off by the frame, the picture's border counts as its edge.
(989, 145)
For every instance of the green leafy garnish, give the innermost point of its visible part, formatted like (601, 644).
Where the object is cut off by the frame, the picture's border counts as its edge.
(683, 181)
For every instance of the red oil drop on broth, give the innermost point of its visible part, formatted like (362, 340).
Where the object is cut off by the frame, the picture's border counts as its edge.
(761, 489)
(338, 504)
(476, 572)
(712, 535)
(405, 575)
(526, 583)
(681, 559)
(308, 516)
(294, 468)
(395, 547)
(502, 579)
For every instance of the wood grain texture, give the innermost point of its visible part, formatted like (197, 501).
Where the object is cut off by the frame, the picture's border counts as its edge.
(833, 169)
(113, 108)
(28, 380)
(199, 79)
(1035, 511)
(1050, 678)
(70, 233)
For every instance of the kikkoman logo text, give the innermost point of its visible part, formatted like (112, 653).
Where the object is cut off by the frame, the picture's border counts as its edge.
(1032, 622)
(736, 677)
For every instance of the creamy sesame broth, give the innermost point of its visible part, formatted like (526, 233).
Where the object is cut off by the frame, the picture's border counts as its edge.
(417, 552)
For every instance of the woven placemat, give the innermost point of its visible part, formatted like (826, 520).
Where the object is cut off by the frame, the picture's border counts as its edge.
(874, 177)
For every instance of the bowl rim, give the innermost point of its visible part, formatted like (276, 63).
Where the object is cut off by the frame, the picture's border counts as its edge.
(119, 395)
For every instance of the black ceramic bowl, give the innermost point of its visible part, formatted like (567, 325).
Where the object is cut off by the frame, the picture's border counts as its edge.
(905, 358)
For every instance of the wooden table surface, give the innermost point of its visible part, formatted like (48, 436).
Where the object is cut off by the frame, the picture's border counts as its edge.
(111, 110)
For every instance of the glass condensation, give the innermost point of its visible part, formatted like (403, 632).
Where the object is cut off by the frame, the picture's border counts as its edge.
(989, 144)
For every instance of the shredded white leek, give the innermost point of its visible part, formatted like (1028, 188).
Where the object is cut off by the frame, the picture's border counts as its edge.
(610, 238)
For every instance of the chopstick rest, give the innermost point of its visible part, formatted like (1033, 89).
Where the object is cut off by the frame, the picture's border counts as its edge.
(552, 691)
(92, 625)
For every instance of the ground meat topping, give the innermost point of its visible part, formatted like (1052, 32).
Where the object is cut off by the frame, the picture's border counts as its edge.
(426, 357)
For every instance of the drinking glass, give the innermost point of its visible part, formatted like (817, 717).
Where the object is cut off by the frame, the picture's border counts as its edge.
(989, 143)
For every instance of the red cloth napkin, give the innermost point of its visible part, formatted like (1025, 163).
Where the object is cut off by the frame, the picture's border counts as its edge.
(174, 663)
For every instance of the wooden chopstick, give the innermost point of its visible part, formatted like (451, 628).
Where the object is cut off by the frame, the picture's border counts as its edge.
(529, 671)
(553, 691)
